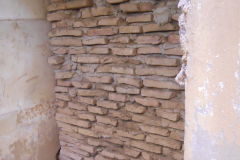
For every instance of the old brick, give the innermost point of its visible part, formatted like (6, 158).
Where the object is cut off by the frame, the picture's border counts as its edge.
(177, 125)
(106, 87)
(67, 127)
(112, 154)
(140, 18)
(116, 1)
(78, 4)
(76, 150)
(147, 156)
(149, 50)
(150, 39)
(56, 6)
(87, 100)
(104, 129)
(77, 122)
(167, 151)
(91, 93)
(77, 51)
(97, 110)
(154, 130)
(136, 7)
(95, 41)
(103, 79)
(176, 16)
(110, 59)
(60, 51)
(121, 39)
(114, 69)
(66, 42)
(64, 83)
(150, 102)
(86, 69)
(100, 157)
(65, 111)
(86, 13)
(97, 50)
(162, 84)
(87, 116)
(146, 7)
(130, 81)
(57, 16)
(77, 106)
(124, 51)
(156, 61)
(177, 135)
(178, 155)
(118, 97)
(146, 146)
(135, 108)
(60, 89)
(100, 32)
(56, 60)
(108, 104)
(110, 21)
(63, 75)
(60, 103)
(62, 24)
(174, 51)
(85, 23)
(132, 152)
(72, 92)
(172, 104)
(87, 132)
(84, 85)
(174, 38)
(168, 115)
(88, 60)
(163, 141)
(130, 29)
(155, 93)
(132, 135)
(121, 114)
(156, 27)
(107, 120)
(128, 90)
(168, 72)
(101, 11)
(65, 32)
(147, 120)
(71, 154)
(62, 96)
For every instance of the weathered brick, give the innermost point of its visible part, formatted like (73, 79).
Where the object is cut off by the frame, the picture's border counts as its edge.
(97, 50)
(132, 135)
(168, 72)
(106, 120)
(177, 135)
(162, 84)
(118, 97)
(116, 1)
(172, 104)
(177, 125)
(113, 69)
(60, 89)
(86, 13)
(97, 110)
(149, 50)
(136, 7)
(150, 39)
(108, 104)
(85, 23)
(87, 100)
(77, 106)
(86, 69)
(88, 132)
(95, 41)
(60, 51)
(75, 150)
(103, 79)
(65, 32)
(62, 96)
(65, 111)
(121, 39)
(101, 157)
(147, 120)
(135, 108)
(63, 75)
(121, 114)
(69, 120)
(82, 84)
(163, 141)
(72, 92)
(174, 51)
(63, 23)
(146, 146)
(132, 152)
(112, 154)
(168, 115)
(78, 4)
(87, 116)
(56, 59)
(77, 51)
(110, 59)
(124, 51)
(176, 16)
(156, 27)
(64, 83)
(60, 103)
(157, 61)
(167, 151)
(110, 21)
(91, 93)
(174, 38)
(128, 90)
(130, 81)
(56, 6)
(156, 93)
(100, 32)
(66, 42)
(67, 127)
(147, 156)
(106, 87)
(104, 129)
(88, 60)
(140, 18)
(154, 130)
(130, 29)
(150, 102)
(178, 155)
(71, 154)
(57, 16)
(101, 11)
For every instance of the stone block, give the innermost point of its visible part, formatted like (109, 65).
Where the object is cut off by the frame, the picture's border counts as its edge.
(132, 152)
(56, 6)
(112, 154)
(177, 125)
(176, 16)
(65, 83)
(86, 13)
(178, 155)
(65, 111)
(136, 7)
(77, 51)
(177, 135)
(168, 115)
(67, 127)
(121, 115)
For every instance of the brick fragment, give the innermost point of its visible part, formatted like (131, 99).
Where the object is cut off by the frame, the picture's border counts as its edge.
(154, 130)
(150, 39)
(167, 151)
(100, 157)
(128, 90)
(140, 18)
(100, 32)
(110, 59)
(124, 51)
(56, 6)
(168, 115)
(178, 155)
(162, 84)
(168, 72)
(72, 92)
(177, 125)
(135, 108)
(85, 23)
(118, 97)
(95, 41)
(77, 51)
(172, 104)
(155, 93)
(147, 120)
(177, 135)
(104, 129)
(84, 85)
(130, 29)
(64, 83)
(60, 89)
(86, 69)
(56, 59)
(87, 100)
(136, 7)
(176, 16)
(106, 87)
(163, 141)
(65, 32)
(97, 110)
(87, 116)
(146, 146)
(57, 16)
(174, 51)
(66, 42)
(92, 93)
(88, 60)
(121, 39)
(121, 114)
(97, 50)
(111, 154)
(62, 24)
(174, 38)
(110, 21)
(69, 120)
(87, 132)
(116, 1)
(113, 69)
(65, 111)
(79, 4)
(62, 96)
(149, 50)
(101, 11)
(107, 120)
(108, 104)
(64, 75)
(156, 27)
(67, 127)
(130, 81)
(103, 79)
(70, 154)
(132, 152)
(147, 156)
(76, 150)
(77, 106)
(60, 103)
(60, 51)
(132, 135)
(156, 61)
(149, 102)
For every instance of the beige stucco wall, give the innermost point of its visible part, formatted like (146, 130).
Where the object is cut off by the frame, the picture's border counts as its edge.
(27, 127)
(212, 130)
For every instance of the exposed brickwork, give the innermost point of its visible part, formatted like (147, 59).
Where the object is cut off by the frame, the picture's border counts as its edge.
(114, 69)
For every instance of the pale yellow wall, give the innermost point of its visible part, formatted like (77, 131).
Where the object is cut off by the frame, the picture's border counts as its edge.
(27, 127)
(213, 80)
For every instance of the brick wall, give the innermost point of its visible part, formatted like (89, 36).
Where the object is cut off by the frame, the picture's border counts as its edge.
(115, 62)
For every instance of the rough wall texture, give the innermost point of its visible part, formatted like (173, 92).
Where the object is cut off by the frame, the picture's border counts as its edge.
(212, 85)
(115, 62)
(28, 130)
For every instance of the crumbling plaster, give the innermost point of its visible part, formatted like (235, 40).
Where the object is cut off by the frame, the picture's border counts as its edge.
(212, 41)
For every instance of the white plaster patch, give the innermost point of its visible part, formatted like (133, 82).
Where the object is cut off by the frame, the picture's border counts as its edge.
(221, 84)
